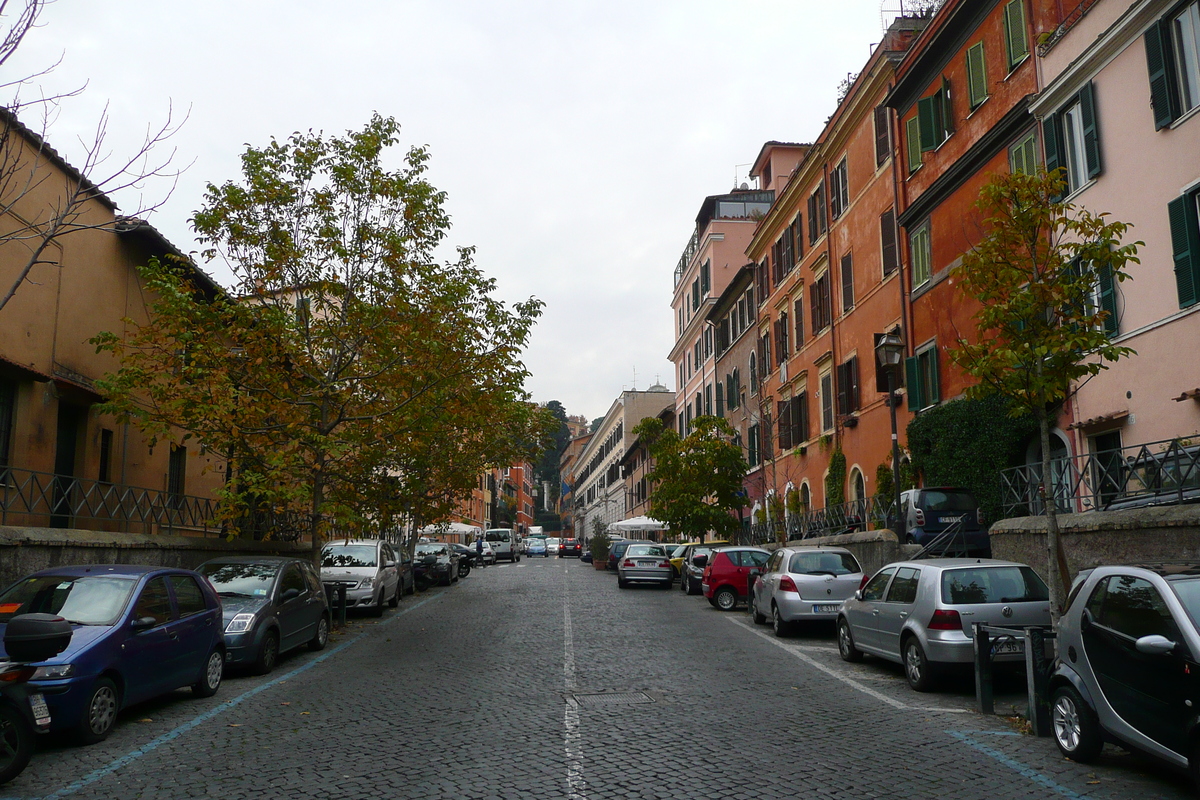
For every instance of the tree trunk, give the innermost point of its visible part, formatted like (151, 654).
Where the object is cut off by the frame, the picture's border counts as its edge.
(1056, 559)
(318, 500)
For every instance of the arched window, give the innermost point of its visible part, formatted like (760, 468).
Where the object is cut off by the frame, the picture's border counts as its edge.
(753, 373)
(858, 485)
(805, 498)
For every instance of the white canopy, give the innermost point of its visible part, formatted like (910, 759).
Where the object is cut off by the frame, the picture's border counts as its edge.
(642, 523)
(449, 527)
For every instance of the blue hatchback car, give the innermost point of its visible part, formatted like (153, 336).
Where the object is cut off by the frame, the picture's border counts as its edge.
(138, 632)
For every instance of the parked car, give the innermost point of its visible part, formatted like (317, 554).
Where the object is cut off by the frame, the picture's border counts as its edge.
(919, 613)
(1128, 645)
(488, 556)
(269, 605)
(368, 568)
(692, 576)
(644, 562)
(552, 545)
(537, 547)
(682, 555)
(726, 576)
(436, 562)
(931, 511)
(804, 584)
(138, 632)
(505, 543)
(570, 547)
(586, 558)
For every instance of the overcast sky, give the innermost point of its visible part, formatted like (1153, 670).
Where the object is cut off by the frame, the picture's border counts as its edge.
(576, 140)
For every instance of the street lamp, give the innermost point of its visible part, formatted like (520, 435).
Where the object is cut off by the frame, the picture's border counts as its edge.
(889, 352)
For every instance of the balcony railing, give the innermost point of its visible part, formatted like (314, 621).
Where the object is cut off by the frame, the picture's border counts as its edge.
(42, 499)
(1156, 473)
(871, 513)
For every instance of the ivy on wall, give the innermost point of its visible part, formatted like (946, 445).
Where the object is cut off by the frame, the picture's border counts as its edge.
(966, 443)
(835, 479)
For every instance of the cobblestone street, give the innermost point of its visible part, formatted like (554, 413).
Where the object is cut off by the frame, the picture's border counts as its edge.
(489, 689)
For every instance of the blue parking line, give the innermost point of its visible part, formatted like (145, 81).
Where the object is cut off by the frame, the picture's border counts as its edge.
(171, 735)
(1016, 766)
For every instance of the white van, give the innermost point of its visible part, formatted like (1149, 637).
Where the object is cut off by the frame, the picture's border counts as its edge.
(504, 543)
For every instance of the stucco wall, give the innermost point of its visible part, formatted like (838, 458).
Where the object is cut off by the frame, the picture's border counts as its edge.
(1170, 533)
(26, 550)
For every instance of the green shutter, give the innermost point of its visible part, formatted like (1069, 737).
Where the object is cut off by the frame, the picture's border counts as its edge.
(930, 393)
(1016, 159)
(1158, 62)
(1185, 243)
(1029, 148)
(1091, 136)
(1014, 32)
(945, 107)
(1108, 300)
(1050, 142)
(927, 117)
(912, 381)
(976, 75)
(720, 400)
(912, 142)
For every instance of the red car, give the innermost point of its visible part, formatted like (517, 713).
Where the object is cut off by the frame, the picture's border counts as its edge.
(727, 574)
(570, 547)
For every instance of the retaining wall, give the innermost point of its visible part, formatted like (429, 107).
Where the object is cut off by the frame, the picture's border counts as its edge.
(873, 549)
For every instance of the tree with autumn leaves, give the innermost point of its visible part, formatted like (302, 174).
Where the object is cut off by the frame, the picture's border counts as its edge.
(349, 374)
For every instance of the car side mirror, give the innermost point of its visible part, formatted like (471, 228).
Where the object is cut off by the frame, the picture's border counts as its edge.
(387, 564)
(289, 594)
(858, 594)
(1155, 645)
(142, 623)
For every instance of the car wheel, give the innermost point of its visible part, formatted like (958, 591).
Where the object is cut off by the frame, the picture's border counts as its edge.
(413, 588)
(1076, 729)
(210, 681)
(377, 609)
(725, 599)
(683, 584)
(268, 653)
(99, 713)
(917, 668)
(395, 601)
(781, 626)
(846, 648)
(758, 617)
(321, 637)
(622, 583)
(16, 743)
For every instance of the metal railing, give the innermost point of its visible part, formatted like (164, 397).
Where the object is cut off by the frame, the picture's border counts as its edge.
(1161, 472)
(43, 499)
(871, 513)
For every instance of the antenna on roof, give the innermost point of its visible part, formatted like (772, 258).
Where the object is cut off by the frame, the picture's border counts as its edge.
(635, 378)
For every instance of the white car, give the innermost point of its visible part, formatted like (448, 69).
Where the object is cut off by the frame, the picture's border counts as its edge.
(552, 546)
(489, 555)
(504, 542)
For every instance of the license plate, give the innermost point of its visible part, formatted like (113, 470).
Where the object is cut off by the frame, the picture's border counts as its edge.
(41, 711)
(646, 563)
(1008, 646)
(952, 519)
(826, 608)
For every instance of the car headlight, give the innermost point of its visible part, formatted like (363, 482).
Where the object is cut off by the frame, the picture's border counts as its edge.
(366, 583)
(53, 671)
(240, 623)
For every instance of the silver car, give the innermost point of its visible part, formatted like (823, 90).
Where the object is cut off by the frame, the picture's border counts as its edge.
(644, 562)
(804, 584)
(919, 613)
(368, 570)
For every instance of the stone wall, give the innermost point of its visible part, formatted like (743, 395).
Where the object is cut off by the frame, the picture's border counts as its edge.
(873, 549)
(1136, 535)
(26, 550)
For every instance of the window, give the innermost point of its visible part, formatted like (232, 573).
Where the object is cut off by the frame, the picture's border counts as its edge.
(793, 421)
(918, 245)
(847, 386)
(1015, 38)
(921, 373)
(1133, 607)
(187, 595)
(708, 399)
(752, 446)
(699, 404)
(816, 214)
(826, 400)
(890, 254)
(106, 447)
(821, 303)
(764, 355)
(781, 337)
(708, 343)
(798, 316)
(883, 135)
(847, 282)
(904, 587)
(935, 115)
(760, 280)
(720, 399)
(977, 89)
(1173, 59)
(912, 142)
(1022, 156)
(753, 374)
(1072, 139)
(154, 602)
(705, 278)
(1183, 213)
(874, 588)
(839, 190)
(696, 294)
(176, 466)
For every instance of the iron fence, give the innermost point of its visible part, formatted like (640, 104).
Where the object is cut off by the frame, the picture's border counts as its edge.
(871, 513)
(1155, 473)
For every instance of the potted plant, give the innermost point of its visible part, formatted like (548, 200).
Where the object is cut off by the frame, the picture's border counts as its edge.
(599, 546)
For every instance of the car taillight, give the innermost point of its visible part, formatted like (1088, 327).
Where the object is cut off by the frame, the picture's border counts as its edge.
(786, 584)
(979, 517)
(945, 620)
(627, 563)
(665, 564)
(863, 583)
(920, 518)
(17, 675)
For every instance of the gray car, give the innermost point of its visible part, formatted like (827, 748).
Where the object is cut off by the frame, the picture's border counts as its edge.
(644, 562)
(368, 568)
(919, 613)
(1128, 647)
(804, 584)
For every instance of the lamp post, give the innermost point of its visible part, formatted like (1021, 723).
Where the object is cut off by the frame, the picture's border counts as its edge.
(889, 352)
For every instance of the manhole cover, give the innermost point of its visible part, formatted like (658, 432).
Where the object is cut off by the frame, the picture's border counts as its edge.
(611, 699)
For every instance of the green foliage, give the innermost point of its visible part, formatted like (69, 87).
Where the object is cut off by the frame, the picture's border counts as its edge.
(835, 479)
(967, 443)
(698, 479)
(794, 506)
(547, 465)
(599, 542)
(885, 487)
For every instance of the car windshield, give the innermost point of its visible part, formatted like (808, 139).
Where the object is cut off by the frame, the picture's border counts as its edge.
(679, 551)
(974, 585)
(646, 550)
(497, 536)
(90, 600)
(348, 555)
(432, 549)
(552, 541)
(823, 564)
(233, 579)
(936, 500)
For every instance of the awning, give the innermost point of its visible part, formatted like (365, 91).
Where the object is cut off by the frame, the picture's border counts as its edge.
(1102, 419)
(642, 523)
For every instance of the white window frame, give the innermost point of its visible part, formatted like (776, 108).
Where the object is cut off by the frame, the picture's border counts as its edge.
(1185, 41)
(1074, 156)
(921, 254)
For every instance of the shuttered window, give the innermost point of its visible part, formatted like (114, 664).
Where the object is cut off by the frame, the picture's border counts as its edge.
(912, 142)
(918, 247)
(798, 316)
(847, 282)
(847, 387)
(783, 413)
(839, 190)
(820, 300)
(1016, 38)
(720, 389)
(816, 214)
(1173, 61)
(1072, 139)
(921, 379)
(883, 136)
(1184, 216)
(935, 117)
(887, 239)
(977, 87)
(1022, 156)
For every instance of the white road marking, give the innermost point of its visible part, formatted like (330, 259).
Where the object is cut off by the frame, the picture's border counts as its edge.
(573, 744)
